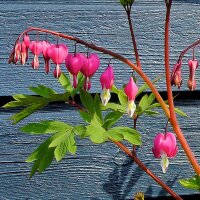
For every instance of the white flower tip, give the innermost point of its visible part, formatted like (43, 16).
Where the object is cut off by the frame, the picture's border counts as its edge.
(164, 162)
(131, 108)
(105, 96)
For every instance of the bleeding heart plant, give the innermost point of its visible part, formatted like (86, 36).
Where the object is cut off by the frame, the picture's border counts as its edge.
(99, 112)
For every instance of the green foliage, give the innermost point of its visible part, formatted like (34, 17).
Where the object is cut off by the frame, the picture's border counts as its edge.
(126, 133)
(191, 183)
(57, 145)
(111, 118)
(45, 127)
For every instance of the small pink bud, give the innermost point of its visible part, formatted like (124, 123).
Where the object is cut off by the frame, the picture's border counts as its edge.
(107, 81)
(165, 147)
(193, 65)
(17, 55)
(176, 78)
(131, 91)
(26, 40)
(23, 53)
(107, 78)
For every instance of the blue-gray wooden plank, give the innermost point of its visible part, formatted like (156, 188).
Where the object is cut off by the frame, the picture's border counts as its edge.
(92, 173)
(105, 24)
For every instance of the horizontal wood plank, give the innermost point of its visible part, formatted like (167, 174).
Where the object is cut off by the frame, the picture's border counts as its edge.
(93, 172)
(103, 23)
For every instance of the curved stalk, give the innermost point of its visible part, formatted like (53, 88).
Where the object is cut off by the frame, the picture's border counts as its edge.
(111, 53)
(173, 119)
(143, 167)
(128, 12)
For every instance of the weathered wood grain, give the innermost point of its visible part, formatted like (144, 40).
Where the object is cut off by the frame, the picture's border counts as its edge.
(92, 173)
(103, 23)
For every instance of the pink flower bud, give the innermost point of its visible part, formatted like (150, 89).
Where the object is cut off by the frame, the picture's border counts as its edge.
(131, 90)
(26, 40)
(107, 80)
(165, 147)
(17, 54)
(176, 78)
(23, 53)
(193, 65)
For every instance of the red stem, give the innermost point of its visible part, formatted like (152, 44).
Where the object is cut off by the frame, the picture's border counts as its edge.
(128, 11)
(173, 119)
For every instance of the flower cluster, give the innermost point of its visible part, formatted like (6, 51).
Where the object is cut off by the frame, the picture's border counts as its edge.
(176, 78)
(75, 63)
(58, 54)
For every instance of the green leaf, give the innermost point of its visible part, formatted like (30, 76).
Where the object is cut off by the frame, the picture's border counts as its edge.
(43, 91)
(111, 118)
(64, 142)
(27, 111)
(42, 157)
(60, 151)
(180, 112)
(122, 99)
(97, 106)
(69, 144)
(151, 98)
(151, 112)
(28, 99)
(131, 135)
(144, 102)
(80, 131)
(87, 101)
(65, 82)
(13, 104)
(115, 135)
(45, 127)
(192, 183)
(113, 106)
(85, 116)
(97, 134)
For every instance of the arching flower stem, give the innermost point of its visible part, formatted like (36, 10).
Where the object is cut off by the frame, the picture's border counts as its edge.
(173, 118)
(111, 53)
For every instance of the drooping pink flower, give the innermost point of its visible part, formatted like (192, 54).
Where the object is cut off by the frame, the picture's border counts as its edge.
(26, 40)
(46, 55)
(193, 65)
(107, 81)
(17, 51)
(131, 91)
(165, 147)
(58, 54)
(74, 64)
(23, 53)
(89, 67)
(176, 78)
(36, 48)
